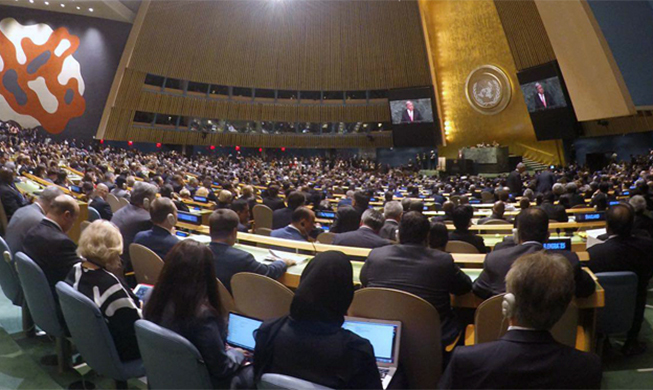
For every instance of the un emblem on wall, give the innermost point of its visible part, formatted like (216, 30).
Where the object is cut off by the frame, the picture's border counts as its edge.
(488, 89)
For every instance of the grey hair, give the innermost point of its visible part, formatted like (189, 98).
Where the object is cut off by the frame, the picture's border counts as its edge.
(558, 189)
(141, 191)
(638, 202)
(373, 219)
(49, 194)
(393, 209)
(529, 194)
(350, 194)
(571, 187)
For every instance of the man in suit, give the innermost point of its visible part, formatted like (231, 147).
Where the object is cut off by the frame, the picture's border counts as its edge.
(228, 260)
(540, 287)
(514, 180)
(241, 208)
(48, 243)
(160, 239)
(283, 217)
(347, 220)
(624, 251)
(120, 190)
(462, 220)
(301, 225)
(361, 203)
(392, 211)
(135, 217)
(533, 230)
(542, 98)
(348, 200)
(553, 211)
(272, 199)
(11, 198)
(545, 181)
(367, 235)
(497, 213)
(413, 267)
(27, 217)
(410, 114)
(100, 203)
(643, 224)
(571, 197)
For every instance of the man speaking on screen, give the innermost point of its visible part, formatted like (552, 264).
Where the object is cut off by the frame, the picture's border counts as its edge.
(410, 114)
(543, 99)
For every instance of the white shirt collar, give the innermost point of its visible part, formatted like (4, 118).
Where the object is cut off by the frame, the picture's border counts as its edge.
(514, 327)
(531, 242)
(292, 227)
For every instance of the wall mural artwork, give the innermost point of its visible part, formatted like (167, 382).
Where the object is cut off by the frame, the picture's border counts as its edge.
(40, 81)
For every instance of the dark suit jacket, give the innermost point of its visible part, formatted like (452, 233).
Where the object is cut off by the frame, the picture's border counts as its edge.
(289, 233)
(427, 273)
(102, 207)
(555, 211)
(545, 181)
(633, 254)
(275, 203)
(405, 118)
(522, 359)
(11, 199)
(572, 199)
(131, 220)
(538, 102)
(230, 261)
(281, 218)
(52, 250)
(492, 281)
(469, 237)
(364, 237)
(389, 230)
(158, 239)
(515, 183)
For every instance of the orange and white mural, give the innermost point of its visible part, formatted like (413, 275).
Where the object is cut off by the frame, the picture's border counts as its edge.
(40, 81)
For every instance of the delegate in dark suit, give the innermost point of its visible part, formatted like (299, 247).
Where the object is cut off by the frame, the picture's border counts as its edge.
(515, 184)
(545, 181)
(555, 211)
(289, 233)
(470, 238)
(427, 273)
(157, 239)
(522, 359)
(102, 207)
(11, 199)
(131, 220)
(492, 281)
(572, 200)
(230, 261)
(281, 218)
(23, 220)
(539, 104)
(389, 230)
(405, 117)
(275, 203)
(364, 237)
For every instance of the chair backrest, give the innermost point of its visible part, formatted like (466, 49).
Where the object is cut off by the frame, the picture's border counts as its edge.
(147, 264)
(285, 382)
(420, 352)
(171, 361)
(326, 238)
(259, 296)
(490, 324)
(226, 300)
(620, 293)
(263, 231)
(9, 277)
(487, 197)
(262, 216)
(4, 221)
(90, 332)
(114, 203)
(38, 295)
(82, 226)
(93, 214)
(123, 202)
(460, 247)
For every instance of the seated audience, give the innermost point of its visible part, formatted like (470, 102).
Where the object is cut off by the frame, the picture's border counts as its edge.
(553, 211)
(228, 260)
(643, 224)
(417, 269)
(438, 236)
(186, 301)
(224, 199)
(497, 213)
(283, 217)
(572, 198)
(167, 192)
(100, 247)
(310, 343)
(361, 203)
(161, 238)
(272, 199)
(532, 232)
(48, 243)
(301, 225)
(367, 236)
(10, 197)
(462, 220)
(540, 288)
(392, 211)
(623, 251)
(120, 190)
(241, 208)
(348, 200)
(447, 208)
(347, 220)
(27, 217)
(99, 202)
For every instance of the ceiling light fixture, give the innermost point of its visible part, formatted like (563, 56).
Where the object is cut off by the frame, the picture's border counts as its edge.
(78, 8)
(62, 5)
(90, 10)
(47, 3)
(31, 1)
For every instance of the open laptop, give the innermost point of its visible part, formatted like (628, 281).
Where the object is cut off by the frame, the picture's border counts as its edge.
(241, 331)
(384, 337)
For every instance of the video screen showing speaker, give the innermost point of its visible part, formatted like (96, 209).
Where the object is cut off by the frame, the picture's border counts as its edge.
(548, 102)
(414, 118)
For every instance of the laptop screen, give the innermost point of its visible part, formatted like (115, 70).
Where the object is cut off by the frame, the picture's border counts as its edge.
(382, 336)
(241, 331)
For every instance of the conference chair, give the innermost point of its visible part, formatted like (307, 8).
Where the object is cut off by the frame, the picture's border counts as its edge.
(460, 247)
(259, 296)
(171, 361)
(4, 221)
(226, 300)
(490, 325)
(11, 287)
(147, 264)
(263, 231)
(92, 338)
(123, 202)
(93, 214)
(262, 216)
(285, 382)
(114, 203)
(326, 238)
(420, 353)
(42, 306)
(620, 295)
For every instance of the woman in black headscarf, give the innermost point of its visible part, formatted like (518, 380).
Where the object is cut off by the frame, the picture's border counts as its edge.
(310, 343)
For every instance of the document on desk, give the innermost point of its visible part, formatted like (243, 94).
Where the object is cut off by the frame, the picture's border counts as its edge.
(279, 255)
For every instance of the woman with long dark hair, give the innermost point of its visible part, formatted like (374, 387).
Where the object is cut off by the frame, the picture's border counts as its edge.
(186, 301)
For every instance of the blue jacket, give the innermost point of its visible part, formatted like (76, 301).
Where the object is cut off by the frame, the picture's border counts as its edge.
(289, 233)
(157, 239)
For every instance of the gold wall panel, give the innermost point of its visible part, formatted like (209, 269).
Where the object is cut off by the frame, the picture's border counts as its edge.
(463, 36)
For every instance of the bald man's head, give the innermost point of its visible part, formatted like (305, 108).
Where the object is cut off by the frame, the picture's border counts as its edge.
(101, 190)
(64, 210)
(620, 219)
(499, 208)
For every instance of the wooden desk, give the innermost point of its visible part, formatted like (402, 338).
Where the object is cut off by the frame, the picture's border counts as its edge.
(552, 226)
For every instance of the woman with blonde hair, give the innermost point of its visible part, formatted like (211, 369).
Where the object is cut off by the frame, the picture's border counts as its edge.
(100, 247)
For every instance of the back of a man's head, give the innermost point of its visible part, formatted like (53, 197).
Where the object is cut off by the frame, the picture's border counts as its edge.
(638, 203)
(461, 218)
(49, 194)
(62, 204)
(438, 236)
(222, 223)
(296, 199)
(273, 190)
(413, 228)
(239, 205)
(543, 286)
(620, 220)
(499, 208)
(301, 214)
(373, 219)
(361, 199)
(142, 191)
(393, 210)
(160, 209)
(448, 207)
(533, 225)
